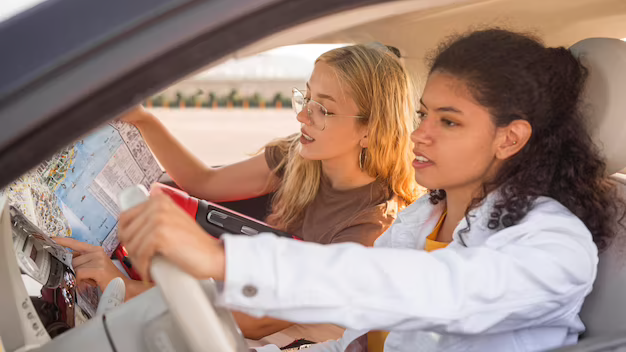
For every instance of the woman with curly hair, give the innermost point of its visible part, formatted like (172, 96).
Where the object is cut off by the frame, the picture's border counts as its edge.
(499, 257)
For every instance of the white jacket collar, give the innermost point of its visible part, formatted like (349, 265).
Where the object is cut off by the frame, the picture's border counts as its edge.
(422, 217)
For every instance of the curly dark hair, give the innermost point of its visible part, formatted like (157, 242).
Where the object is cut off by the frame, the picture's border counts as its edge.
(516, 77)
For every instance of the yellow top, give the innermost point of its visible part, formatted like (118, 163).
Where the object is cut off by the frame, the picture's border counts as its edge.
(431, 243)
(376, 339)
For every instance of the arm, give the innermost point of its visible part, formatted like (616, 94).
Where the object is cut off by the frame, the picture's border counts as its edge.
(258, 328)
(534, 273)
(365, 231)
(542, 278)
(247, 179)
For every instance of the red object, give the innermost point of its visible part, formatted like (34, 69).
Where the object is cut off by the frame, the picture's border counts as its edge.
(188, 203)
(121, 254)
(182, 198)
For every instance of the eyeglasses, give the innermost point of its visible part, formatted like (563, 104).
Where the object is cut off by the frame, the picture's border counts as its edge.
(316, 112)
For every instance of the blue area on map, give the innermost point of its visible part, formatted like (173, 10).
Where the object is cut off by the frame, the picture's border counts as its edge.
(89, 220)
(80, 231)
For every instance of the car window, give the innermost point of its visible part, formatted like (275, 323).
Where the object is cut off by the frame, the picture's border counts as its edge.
(229, 112)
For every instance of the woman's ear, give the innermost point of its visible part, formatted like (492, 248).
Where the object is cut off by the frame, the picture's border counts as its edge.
(364, 142)
(512, 138)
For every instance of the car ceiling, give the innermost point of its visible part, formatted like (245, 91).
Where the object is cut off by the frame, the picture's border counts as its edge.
(417, 26)
(558, 22)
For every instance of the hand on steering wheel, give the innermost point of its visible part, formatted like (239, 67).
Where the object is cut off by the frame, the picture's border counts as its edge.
(165, 240)
(160, 227)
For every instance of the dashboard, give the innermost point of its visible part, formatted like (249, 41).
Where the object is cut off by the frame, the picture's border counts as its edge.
(49, 305)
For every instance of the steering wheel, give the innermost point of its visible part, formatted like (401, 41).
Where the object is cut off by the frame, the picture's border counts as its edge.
(205, 327)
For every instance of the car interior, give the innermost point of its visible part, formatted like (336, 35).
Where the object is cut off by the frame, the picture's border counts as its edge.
(69, 86)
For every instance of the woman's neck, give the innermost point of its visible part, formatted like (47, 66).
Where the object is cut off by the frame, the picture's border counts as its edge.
(344, 173)
(457, 202)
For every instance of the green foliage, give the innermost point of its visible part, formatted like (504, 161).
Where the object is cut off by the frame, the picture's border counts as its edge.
(209, 98)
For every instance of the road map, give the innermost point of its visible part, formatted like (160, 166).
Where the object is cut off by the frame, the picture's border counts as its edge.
(74, 193)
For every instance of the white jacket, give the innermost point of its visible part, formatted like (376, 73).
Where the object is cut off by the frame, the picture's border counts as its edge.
(513, 289)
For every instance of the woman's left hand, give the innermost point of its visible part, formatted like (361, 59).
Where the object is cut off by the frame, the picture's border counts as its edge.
(160, 227)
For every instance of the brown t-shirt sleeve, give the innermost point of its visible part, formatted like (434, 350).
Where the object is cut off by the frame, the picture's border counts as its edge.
(366, 228)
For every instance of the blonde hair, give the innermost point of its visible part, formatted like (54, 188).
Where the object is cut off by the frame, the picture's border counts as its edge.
(382, 90)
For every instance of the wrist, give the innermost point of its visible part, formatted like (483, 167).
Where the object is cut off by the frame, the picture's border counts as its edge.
(141, 118)
(135, 287)
(217, 270)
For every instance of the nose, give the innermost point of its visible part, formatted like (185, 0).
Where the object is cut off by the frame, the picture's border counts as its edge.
(303, 117)
(423, 133)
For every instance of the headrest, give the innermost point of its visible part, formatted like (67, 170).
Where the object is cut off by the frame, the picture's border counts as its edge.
(605, 96)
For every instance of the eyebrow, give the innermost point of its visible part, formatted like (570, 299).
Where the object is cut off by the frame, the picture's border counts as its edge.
(444, 108)
(321, 95)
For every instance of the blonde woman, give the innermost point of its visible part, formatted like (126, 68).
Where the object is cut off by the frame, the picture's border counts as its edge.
(343, 178)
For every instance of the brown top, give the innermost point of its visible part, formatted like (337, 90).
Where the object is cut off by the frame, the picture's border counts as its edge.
(357, 215)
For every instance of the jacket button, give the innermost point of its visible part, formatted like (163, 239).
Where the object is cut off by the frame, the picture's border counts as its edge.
(249, 291)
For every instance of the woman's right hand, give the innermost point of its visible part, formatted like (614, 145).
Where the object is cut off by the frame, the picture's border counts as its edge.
(93, 267)
(136, 115)
(160, 227)
(247, 179)
(90, 263)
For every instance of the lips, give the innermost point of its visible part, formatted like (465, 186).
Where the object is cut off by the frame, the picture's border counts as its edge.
(421, 161)
(307, 136)
(421, 157)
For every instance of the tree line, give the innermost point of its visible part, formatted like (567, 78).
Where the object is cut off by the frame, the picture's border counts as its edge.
(212, 100)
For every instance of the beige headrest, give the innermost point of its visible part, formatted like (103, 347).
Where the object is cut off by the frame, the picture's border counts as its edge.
(605, 96)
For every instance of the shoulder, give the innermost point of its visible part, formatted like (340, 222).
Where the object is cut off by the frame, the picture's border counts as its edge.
(549, 230)
(548, 225)
(546, 215)
(549, 213)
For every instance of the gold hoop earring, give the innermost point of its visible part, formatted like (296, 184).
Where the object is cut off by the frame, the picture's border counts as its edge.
(362, 157)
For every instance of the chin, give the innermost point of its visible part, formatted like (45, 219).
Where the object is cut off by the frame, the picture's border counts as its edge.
(306, 154)
(427, 182)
